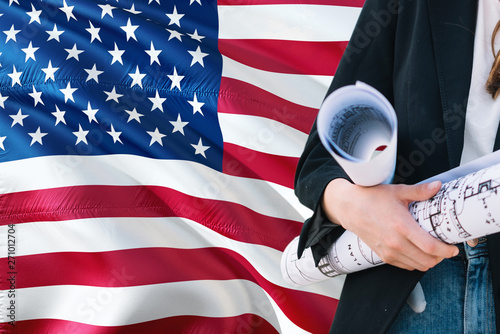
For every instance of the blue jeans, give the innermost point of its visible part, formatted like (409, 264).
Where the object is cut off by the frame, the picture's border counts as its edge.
(459, 297)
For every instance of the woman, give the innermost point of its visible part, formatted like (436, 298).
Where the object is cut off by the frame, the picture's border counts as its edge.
(431, 59)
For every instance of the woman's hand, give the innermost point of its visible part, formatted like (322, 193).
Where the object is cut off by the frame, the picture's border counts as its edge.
(379, 215)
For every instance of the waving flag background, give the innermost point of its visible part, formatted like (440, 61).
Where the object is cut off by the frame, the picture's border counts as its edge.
(147, 153)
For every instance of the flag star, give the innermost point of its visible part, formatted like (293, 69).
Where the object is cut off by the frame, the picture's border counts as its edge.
(93, 74)
(59, 115)
(153, 54)
(81, 135)
(129, 30)
(73, 53)
(200, 149)
(137, 77)
(132, 10)
(30, 52)
(11, 1)
(91, 113)
(37, 136)
(107, 9)
(134, 115)
(195, 36)
(174, 34)
(37, 96)
(191, 2)
(157, 102)
(11, 34)
(34, 15)
(156, 137)
(179, 125)
(115, 135)
(68, 92)
(50, 71)
(0, 55)
(198, 56)
(2, 139)
(94, 32)
(117, 55)
(2, 100)
(68, 10)
(158, 1)
(176, 79)
(54, 33)
(15, 76)
(113, 95)
(196, 105)
(175, 18)
(18, 118)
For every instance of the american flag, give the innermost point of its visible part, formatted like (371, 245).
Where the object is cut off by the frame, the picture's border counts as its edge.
(147, 155)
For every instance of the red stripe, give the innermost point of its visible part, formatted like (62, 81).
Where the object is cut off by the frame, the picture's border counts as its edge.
(244, 324)
(135, 267)
(238, 97)
(232, 220)
(243, 162)
(345, 3)
(295, 57)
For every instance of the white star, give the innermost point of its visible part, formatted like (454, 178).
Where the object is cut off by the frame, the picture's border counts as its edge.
(132, 10)
(91, 113)
(157, 102)
(195, 36)
(11, 34)
(196, 105)
(15, 76)
(59, 115)
(174, 34)
(93, 74)
(129, 30)
(115, 135)
(68, 10)
(191, 2)
(179, 125)
(156, 137)
(50, 71)
(11, 1)
(2, 100)
(133, 115)
(107, 9)
(113, 95)
(68, 92)
(37, 96)
(198, 56)
(176, 79)
(200, 149)
(2, 139)
(158, 1)
(54, 33)
(175, 18)
(153, 54)
(34, 15)
(18, 118)
(136, 77)
(30, 52)
(73, 53)
(81, 135)
(94, 32)
(117, 55)
(37, 136)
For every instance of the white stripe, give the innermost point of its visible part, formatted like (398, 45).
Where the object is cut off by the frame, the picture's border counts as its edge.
(114, 234)
(188, 177)
(262, 134)
(306, 90)
(288, 22)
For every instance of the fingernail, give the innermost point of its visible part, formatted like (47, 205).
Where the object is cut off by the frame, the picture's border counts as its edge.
(433, 184)
(455, 253)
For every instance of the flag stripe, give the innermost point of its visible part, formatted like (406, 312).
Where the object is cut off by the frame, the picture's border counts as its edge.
(295, 57)
(287, 22)
(308, 90)
(252, 100)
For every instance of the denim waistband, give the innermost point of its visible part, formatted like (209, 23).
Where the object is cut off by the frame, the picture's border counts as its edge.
(468, 252)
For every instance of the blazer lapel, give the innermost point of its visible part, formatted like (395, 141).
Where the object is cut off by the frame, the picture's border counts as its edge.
(452, 31)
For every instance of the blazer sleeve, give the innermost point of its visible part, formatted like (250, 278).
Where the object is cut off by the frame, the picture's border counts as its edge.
(369, 57)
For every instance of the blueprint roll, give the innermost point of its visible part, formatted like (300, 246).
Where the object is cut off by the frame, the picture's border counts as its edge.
(465, 208)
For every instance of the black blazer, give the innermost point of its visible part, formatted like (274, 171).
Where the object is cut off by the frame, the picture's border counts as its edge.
(418, 53)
